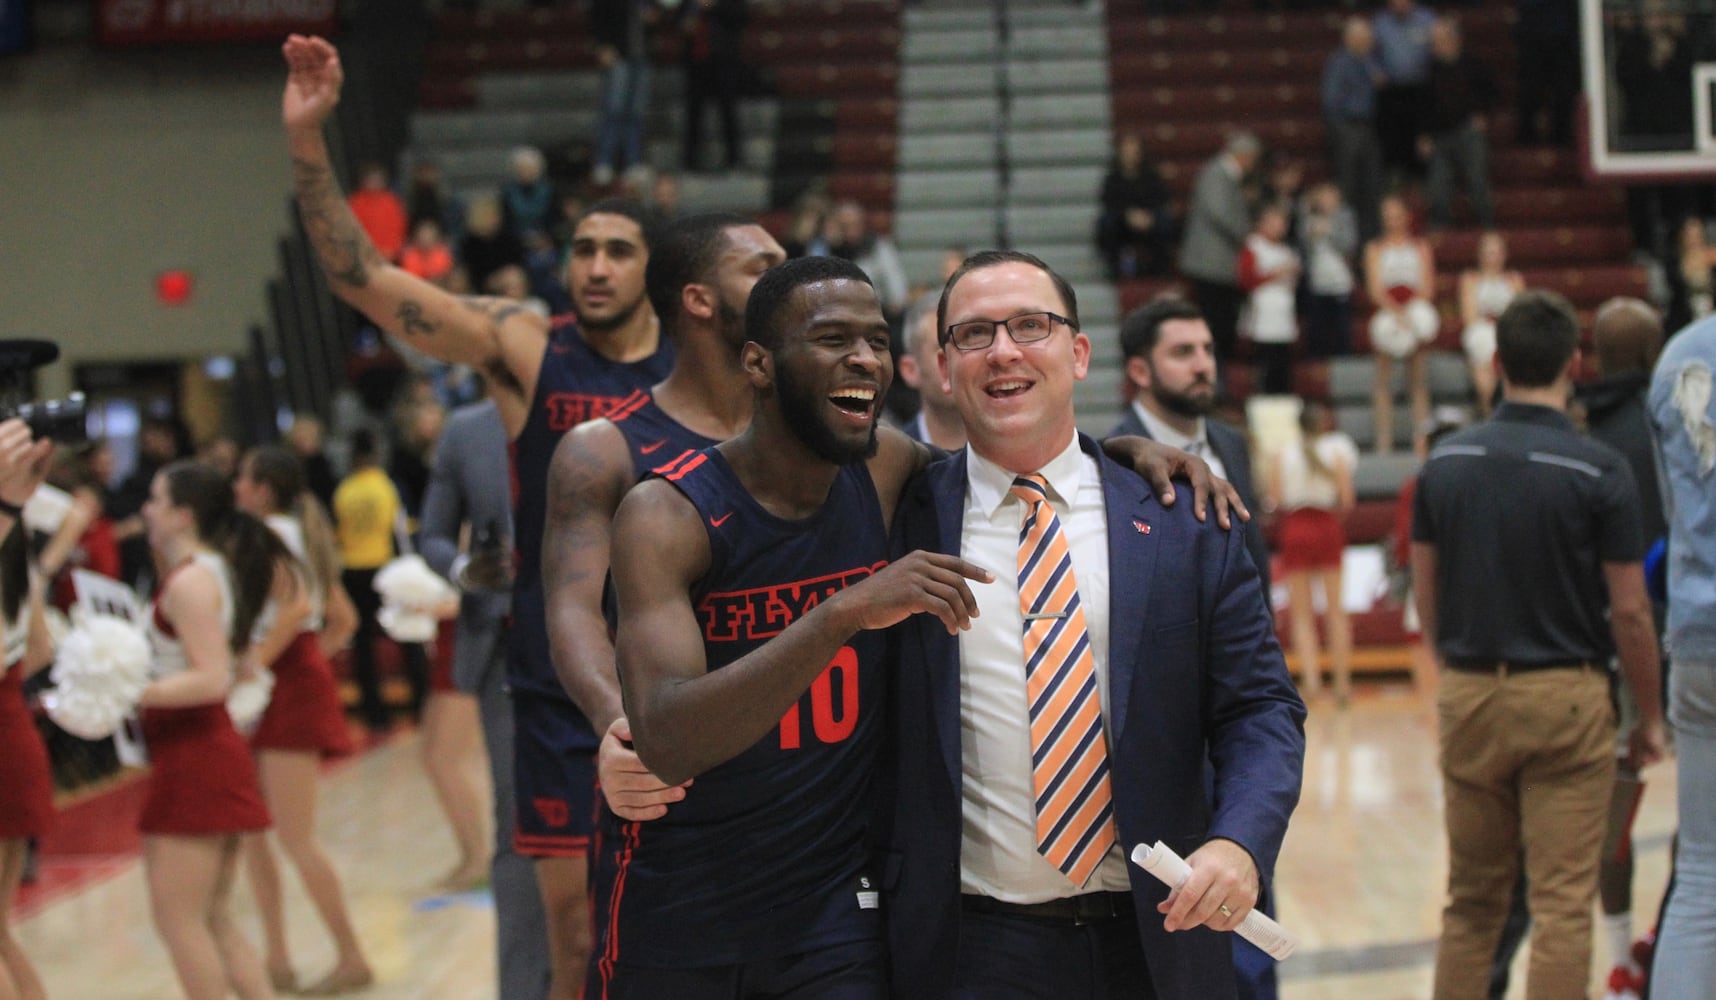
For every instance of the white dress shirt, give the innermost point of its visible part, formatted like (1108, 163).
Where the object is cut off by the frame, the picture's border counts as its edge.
(998, 849)
(1198, 444)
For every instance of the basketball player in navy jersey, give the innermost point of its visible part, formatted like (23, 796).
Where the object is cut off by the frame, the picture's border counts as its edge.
(546, 376)
(700, 274)
(752, 582)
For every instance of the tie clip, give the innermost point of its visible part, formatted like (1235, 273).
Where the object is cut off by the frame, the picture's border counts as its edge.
(1033, 616)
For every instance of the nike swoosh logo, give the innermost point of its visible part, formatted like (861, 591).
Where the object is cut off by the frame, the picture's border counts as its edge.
(716, 522)
(650, 449)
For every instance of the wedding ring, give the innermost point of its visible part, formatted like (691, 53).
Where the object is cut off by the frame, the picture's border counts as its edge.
(1224, 911)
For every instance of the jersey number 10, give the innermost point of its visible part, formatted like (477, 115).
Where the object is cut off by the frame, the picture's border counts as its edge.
(829, 725)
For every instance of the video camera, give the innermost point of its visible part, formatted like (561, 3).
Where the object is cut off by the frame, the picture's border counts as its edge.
(63, 420)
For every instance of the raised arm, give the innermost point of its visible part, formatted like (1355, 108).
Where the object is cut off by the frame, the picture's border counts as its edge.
(687, 718)
(494, 335)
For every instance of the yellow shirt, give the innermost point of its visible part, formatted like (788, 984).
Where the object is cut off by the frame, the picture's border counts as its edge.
(365, 508)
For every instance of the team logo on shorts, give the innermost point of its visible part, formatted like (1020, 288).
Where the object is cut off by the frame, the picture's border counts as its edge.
(554, 812)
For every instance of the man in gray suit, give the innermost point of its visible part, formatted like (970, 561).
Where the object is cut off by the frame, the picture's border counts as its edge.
(1167, 349)
(1216, 228)
(470, 485)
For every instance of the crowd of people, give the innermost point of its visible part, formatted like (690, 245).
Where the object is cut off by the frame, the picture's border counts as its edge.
(1409, 115)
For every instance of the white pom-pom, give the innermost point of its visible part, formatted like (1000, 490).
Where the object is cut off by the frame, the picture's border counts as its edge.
(248, 699)
(410, 591)
(99, 673)
(405, 625)
(409, 582)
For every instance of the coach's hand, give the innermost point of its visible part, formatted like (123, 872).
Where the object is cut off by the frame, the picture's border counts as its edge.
(1221, 890)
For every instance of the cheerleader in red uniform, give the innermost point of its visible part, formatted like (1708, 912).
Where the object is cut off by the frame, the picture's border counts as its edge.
(203, 794)
(26, 783)
(1311, 484)
(305, 720)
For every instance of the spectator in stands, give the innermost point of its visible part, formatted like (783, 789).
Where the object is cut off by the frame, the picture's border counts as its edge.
(618, 27)
(1269, 270)
(379, 210)
(1135, 232)
(847, 234)
(937, 421)
(510, 282)
(1456, 126)
(1217, 224)
(1627, 337)
(1400, 275)
(1349, 111)
(304, 437)
(1171, 371)
(527, 197)
(427, 255)
(1329, 242)
(1546, 42)
(220, 453)
(1485, 291)
(1311, 488)
(1402, 30)
(427, 197)
(665, 197)
(809, 212)
(1693, 276)
(714, 67)
(488, 245)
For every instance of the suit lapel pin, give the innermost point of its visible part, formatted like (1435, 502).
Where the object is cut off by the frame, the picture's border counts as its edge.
(1143, 529)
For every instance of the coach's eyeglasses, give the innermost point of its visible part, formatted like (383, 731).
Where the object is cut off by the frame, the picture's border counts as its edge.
(1026, 328)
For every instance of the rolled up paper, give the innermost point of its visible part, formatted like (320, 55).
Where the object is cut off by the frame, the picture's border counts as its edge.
(1257, 927)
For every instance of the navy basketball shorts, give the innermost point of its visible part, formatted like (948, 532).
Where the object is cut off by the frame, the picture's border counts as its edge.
(554, 778)
(856, 970)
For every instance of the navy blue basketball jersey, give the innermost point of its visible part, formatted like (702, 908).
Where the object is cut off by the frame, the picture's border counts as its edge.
(767, 854)
(658, 442)
(576, 384)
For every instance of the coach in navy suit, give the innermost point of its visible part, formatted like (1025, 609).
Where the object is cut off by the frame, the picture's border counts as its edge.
(1170, 361)
(1186, 668)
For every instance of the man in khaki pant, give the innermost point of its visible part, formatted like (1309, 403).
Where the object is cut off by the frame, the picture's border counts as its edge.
(1523, 533)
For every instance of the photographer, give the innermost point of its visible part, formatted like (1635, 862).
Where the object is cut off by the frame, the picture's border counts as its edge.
(26, 808)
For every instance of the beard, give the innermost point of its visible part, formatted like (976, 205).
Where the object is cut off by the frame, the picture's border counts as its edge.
(731, 323)
(800, 409)
(614, 322)
(1185, 404)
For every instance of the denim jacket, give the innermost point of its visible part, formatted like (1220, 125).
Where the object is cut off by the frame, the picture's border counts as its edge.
(1683, 418)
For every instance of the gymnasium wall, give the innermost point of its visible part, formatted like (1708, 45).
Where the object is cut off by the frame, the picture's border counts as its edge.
(115, 166)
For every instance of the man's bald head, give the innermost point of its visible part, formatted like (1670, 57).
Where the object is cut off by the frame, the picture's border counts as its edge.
(1627, 335)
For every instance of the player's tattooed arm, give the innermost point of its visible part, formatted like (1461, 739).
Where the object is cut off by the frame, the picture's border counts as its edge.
(346, 254)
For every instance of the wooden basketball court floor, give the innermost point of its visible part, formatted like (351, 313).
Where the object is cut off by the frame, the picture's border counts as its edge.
(1360, 878)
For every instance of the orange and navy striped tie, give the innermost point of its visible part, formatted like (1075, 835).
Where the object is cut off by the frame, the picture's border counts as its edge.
(1069, 755)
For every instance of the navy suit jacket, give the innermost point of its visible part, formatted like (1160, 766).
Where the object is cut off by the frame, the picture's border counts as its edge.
(1206, 731)
(1229, 446)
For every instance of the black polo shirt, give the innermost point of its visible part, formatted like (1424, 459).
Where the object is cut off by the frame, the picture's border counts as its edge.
(1523, 511)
